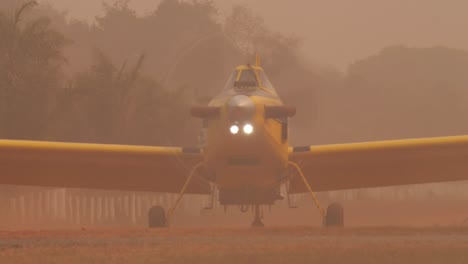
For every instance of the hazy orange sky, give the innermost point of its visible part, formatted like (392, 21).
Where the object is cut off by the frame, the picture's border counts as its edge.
(338, 32)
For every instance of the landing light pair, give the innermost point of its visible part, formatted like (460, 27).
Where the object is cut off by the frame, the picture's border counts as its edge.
(248, 129)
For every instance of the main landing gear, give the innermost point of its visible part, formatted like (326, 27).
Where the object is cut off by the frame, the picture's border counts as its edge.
(334, 216)
(157, 217)
(258, 217)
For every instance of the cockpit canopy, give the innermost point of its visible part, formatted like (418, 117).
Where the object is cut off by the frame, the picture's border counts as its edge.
(249, 79)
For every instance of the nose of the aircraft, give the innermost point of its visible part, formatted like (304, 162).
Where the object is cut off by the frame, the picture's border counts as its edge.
(240, 107)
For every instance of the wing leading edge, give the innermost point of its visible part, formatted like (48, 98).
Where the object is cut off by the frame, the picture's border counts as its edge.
(111, 167)
(384, 163)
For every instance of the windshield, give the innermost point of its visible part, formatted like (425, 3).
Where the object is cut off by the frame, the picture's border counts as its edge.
(230, 82)
(266, 84)
(248, 80)
(248, 76)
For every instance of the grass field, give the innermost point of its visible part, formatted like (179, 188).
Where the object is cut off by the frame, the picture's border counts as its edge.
(238, 245)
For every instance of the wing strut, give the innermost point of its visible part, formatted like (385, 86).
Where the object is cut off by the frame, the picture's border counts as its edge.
(171, 211)
(312, 193)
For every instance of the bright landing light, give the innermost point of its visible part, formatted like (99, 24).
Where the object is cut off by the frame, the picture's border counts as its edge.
(234, 129)
(248, 129)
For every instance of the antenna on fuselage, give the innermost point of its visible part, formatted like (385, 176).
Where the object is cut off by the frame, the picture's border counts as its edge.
(257, 59)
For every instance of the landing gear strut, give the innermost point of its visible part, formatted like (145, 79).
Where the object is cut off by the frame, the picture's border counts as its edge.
(157, 217)
(334, 215)
(257, 217)
(312, 193)
(171, 211)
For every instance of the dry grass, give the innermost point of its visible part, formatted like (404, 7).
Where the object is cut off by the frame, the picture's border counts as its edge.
(269, 245)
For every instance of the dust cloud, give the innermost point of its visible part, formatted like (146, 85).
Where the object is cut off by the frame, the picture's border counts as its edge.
(356, 70)
(338, 32)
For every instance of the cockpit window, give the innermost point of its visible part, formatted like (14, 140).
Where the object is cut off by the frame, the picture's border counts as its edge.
(248, 80)
(232, 79)
(248, 76)
(266, 84)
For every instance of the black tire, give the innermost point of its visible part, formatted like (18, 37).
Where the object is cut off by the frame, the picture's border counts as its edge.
(334, 216)
(156, 217)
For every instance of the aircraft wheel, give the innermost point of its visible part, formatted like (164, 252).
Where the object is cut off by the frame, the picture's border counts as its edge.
(335, 215)
(156, 217)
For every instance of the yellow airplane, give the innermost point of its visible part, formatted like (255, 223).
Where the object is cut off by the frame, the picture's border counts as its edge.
(245, 158)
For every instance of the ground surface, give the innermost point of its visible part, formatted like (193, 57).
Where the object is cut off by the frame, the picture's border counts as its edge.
(360, 213)
(414, 232)
(238, 245)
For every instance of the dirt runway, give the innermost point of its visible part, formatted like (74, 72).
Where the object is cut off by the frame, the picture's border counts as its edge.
(413, 232)
(238, 245)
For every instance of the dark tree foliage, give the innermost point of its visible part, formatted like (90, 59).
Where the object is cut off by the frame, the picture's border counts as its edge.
(109, 104)
(164, 35)
(402, 93)
(116, 99)
(30, 71)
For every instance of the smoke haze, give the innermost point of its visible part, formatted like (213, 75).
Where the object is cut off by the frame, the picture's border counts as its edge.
(337, 32)
(130, 80)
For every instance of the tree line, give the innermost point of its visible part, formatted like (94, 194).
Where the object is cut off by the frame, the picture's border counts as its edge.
(130, 79)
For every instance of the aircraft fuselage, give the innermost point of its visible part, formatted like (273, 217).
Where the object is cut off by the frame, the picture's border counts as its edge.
(246, 152)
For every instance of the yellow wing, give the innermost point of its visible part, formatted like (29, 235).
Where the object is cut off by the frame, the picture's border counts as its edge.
(385, 163)
(113, 167)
